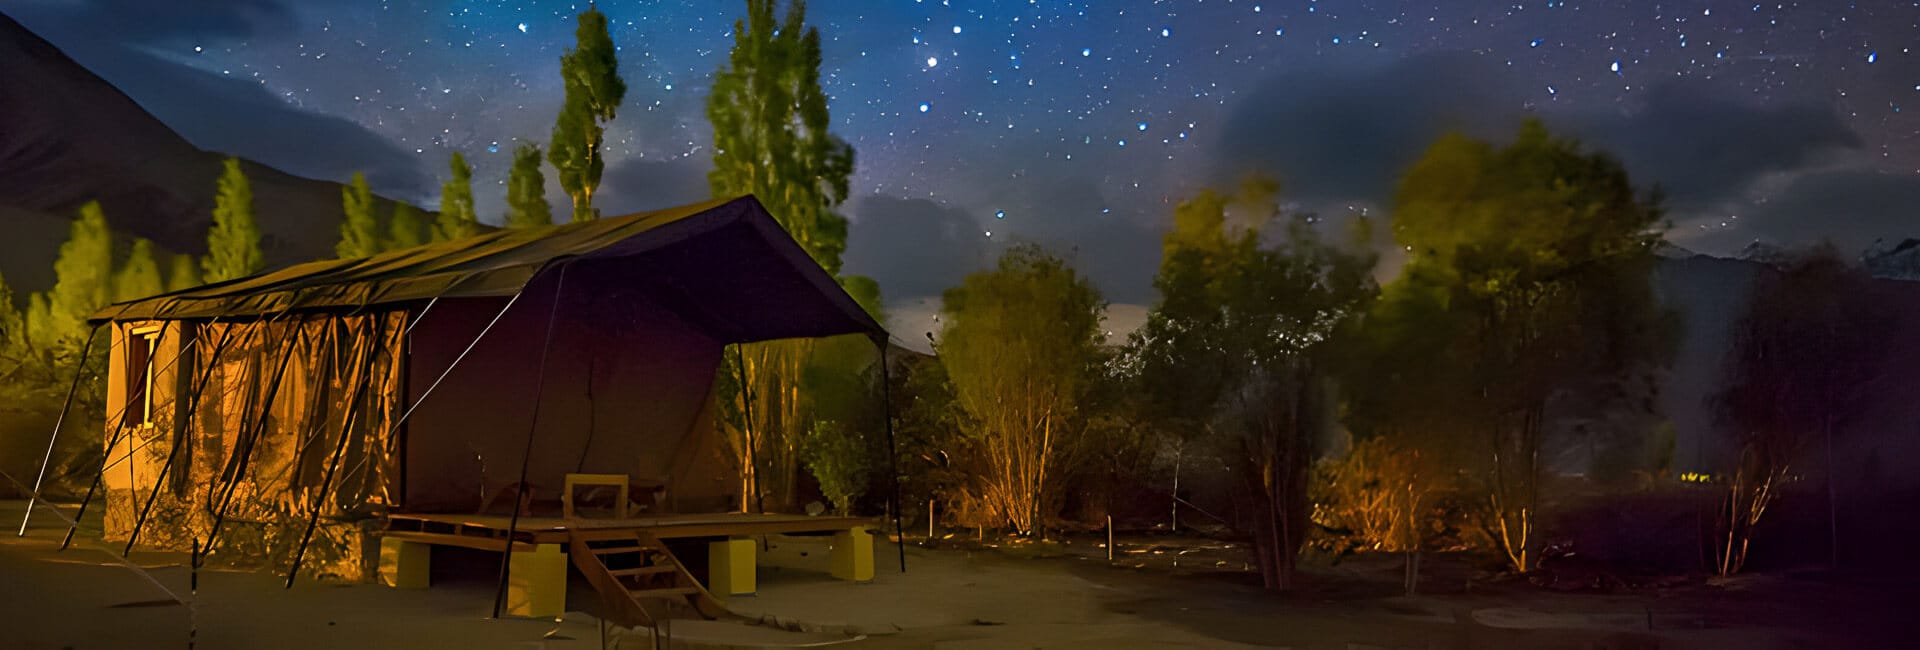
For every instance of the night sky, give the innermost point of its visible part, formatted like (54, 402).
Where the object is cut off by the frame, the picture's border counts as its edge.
(1078, 124)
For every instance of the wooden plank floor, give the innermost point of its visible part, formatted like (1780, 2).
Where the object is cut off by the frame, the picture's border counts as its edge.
(554, 529)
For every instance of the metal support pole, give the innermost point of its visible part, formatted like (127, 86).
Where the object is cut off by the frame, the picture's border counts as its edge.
(193, 401)
(119, 429)
(893, 453)
(248, 441)
(79, 370)
(526, 455)
(354, 400)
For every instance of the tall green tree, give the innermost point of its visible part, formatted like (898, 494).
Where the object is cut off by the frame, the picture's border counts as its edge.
(591, 75)
(771, 138)
(457, 219)
(527, 190)
(770, 130)
(360, 232)
(82, 283)
(13, 329)
(233, 243)
(1019, 344)
(407, 228)
(1802, 368)
(1528, 277)
(139, 277)
(183, 273)
(1238, 354)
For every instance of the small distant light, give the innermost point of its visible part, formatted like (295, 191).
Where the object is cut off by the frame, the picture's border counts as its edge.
(933, 62)
(1873, 56)
(999, 214)
(523, 28)
(924, 107)
(956, 29)
(1142, 126)
(1165, 32)
(1086, 51)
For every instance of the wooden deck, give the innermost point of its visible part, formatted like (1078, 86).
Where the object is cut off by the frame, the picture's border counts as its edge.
(489, 532)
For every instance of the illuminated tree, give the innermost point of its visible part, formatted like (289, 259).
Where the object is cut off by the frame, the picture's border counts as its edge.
(1528, 276)
(407, 228)
(590, 73)
(1239, 352)
(82, 285)
(1019, 344)
(233, 243)
(360, 232)
(457, 219)
(527, 190)
(140, 276)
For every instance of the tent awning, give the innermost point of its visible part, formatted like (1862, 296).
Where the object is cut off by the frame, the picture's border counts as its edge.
(727, 261)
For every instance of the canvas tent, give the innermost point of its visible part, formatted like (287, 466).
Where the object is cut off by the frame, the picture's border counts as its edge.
(435, 378)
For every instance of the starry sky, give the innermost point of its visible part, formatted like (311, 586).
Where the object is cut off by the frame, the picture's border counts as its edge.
(1076, 124)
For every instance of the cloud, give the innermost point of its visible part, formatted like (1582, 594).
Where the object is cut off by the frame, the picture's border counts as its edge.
(639, 185)
(915, 248)
(1347, 134)
(1703, 148)
(1851, 207)
(1338, 135)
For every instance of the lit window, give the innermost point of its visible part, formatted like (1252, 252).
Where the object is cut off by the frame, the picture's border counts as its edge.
(140, 347)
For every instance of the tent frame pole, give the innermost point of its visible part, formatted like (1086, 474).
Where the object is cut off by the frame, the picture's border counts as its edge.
(79, 370)
(119, 429)
(746, 430)
(199, 387)
(893, 453)
(295, 328)
(520, 488)
(355, 398)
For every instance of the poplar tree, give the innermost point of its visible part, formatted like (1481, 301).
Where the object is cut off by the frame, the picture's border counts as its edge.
(591, 74)
(770, 134)
(183, 273)
(407, 229)
(233, 243)
(527, 190)
(140, 276)
(13, 326)
(771, 140)
(360, 232)
(457, 219)
(80, 286)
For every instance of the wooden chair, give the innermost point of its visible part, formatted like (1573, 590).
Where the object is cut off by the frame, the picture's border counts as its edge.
(617, 481)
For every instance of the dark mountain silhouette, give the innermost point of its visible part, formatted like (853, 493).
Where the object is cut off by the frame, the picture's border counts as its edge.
(68, 137)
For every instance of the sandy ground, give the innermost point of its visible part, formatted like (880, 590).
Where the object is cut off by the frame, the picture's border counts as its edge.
(1063, 597)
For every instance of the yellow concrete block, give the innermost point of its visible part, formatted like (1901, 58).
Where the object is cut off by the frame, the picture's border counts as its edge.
(404, 564)
(730, 567)
(537, 582)
(853, 555)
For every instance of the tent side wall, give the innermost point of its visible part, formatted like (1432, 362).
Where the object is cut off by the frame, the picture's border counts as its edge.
(291, 413)
(627, 386)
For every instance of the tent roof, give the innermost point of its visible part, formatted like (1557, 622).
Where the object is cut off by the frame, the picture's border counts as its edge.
(727, 261)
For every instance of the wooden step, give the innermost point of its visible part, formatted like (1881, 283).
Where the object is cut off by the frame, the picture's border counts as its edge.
(641, 571)
(615, 550)
(662, 593)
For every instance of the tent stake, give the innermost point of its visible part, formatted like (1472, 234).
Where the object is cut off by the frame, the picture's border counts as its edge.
(893, 461)
(193, 400)
(520, 488)
(79, 370)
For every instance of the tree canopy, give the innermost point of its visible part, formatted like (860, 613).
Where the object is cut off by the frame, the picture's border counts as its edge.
(1020, 343)
(233, 243)
(527, 190)
(1528, 275)
(360, 232)
(770, 130)
(590, 74)
(457, 219)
